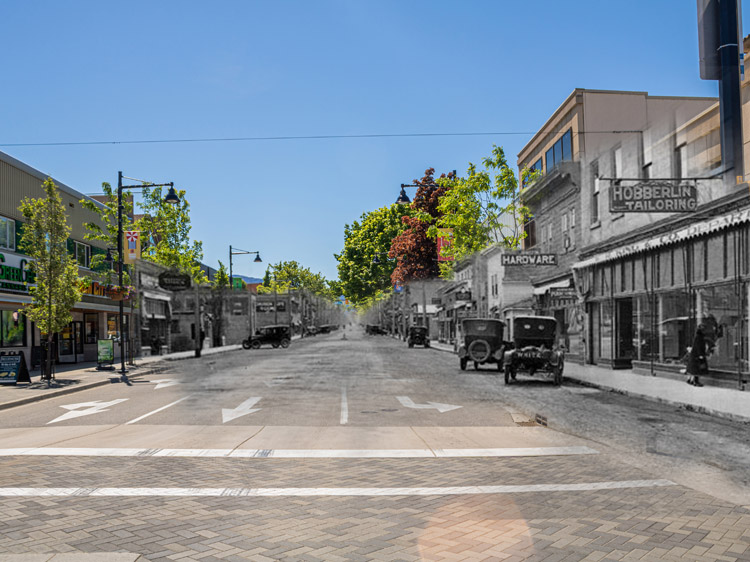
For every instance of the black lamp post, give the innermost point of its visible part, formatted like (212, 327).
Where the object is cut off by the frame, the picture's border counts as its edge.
(237, 251)
(403, 198)
(172, 199)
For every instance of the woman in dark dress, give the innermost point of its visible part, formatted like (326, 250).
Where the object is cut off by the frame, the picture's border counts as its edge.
(697, 362)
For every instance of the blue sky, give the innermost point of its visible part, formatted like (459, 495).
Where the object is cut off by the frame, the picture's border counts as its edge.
(104, 71)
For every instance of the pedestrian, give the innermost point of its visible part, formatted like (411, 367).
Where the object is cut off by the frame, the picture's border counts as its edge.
(697, 363)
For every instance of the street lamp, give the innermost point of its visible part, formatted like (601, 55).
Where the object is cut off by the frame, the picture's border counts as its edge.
(172, 199)
(403, 198)
(237, 251)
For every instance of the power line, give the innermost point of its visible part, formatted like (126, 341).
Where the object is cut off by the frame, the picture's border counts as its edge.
(298, 137)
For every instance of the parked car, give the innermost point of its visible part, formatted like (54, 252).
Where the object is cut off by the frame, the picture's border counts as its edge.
(418, 336)
(533, 349)
(481, 342)
(374, 330)
(280, 335)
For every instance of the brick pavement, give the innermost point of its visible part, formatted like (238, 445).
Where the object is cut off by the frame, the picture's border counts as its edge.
(669, 523)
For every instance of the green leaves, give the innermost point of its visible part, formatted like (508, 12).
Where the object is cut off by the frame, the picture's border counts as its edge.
(290, 275)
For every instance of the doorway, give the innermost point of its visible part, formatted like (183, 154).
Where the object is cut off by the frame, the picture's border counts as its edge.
(624, 333)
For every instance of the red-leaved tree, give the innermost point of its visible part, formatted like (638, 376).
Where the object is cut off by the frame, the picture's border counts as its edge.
(415, 251)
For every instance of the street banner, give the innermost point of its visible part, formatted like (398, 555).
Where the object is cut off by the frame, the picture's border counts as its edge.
(444, 241)
(13, 367)
(132, 245)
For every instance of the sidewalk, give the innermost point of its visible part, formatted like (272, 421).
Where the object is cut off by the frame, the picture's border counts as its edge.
(81, 376)
(722, 402)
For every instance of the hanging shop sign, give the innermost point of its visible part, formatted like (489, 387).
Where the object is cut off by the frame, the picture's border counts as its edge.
(14, 274)
(653, 196)
(173, 281)
(13, 367)
(562, 292)
(528, 259)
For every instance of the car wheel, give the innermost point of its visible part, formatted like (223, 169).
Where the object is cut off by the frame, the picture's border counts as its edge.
(285, 343)
(255, 344)
(479, 351)
(245, 344)
(462, 363)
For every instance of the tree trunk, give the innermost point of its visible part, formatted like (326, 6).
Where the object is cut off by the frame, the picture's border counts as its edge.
(48, 359)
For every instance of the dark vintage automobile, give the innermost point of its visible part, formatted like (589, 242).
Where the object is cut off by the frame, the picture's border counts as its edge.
(418, 336)
(277, 336)
(533, 349)
(374, 330)
(481, 342)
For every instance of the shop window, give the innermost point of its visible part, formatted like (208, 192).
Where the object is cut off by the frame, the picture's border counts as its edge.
(675, 326)
(112, 326)
(91, 328)
(281, 306)
(7, 233)
(83, 254)
(12, 329)
(645, 329)
(724, 312)
(715, 258)
(605, 330)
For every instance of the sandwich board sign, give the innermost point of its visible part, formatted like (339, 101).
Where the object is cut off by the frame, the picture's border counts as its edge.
(105, 352)
(13, 367)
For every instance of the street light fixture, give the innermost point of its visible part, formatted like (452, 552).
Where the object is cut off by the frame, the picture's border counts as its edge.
(403, 198)
(171, 198)
(237, 251)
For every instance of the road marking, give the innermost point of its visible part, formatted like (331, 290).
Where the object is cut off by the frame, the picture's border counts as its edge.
(95, 407)
(344, 407)
(164, 383)
(229, 492)
(409, 403)
(300, 453)
(144, 416)
(242, 410)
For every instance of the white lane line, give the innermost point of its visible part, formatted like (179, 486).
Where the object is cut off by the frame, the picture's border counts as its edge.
(433, 491)
(296, 453)
(144, 416)
(344, 407)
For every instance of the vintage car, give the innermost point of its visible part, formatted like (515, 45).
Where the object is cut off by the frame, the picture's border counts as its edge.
(481, 342)
(374, 330)
(277, 336)
(418, 336)
(533, 349)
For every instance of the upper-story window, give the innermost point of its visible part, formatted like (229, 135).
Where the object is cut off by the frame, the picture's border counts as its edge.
(83, 254)
(535, 168)
(7, 233)
(561, 151)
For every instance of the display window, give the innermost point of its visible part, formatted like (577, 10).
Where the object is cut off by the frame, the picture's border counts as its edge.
(12, 329)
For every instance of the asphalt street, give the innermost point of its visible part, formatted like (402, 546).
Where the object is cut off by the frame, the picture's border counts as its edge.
(363, 449)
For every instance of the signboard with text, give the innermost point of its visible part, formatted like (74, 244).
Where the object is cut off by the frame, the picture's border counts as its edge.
(14, 273)
(653, 196)
(529, 259)
(173, 281)
(105, 352)
(13, 367)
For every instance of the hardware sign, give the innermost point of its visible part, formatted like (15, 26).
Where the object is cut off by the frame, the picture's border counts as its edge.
(529, 259)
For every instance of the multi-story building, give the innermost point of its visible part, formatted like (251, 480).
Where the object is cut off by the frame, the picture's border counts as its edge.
(593, 134)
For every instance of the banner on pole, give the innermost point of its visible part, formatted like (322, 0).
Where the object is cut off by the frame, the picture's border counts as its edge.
(132, 245)
(444, 242)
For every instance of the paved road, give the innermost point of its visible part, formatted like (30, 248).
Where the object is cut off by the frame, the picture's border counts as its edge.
(361, 449)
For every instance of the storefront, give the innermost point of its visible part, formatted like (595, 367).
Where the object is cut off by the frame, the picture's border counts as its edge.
(644, 301)
(559, 299)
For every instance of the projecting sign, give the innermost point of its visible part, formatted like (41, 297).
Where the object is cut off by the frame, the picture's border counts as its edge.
(529, 259)
(174, 281)
(653, 196)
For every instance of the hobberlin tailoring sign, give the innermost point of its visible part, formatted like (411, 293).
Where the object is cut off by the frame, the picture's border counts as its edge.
(653, 196)
(529, 259)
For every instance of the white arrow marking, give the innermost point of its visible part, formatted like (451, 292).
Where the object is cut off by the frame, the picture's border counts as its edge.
(91, 408)
(241, 410)
(164, 383)
(409, 403)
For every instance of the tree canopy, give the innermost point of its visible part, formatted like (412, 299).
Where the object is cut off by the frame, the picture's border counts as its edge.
(288, 275)
(364, 240)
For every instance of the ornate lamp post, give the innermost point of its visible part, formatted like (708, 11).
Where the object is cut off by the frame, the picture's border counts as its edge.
(172, 199)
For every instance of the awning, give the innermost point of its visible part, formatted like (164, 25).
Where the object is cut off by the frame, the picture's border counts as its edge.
(156, 296)
(554, 285)
(692, 231)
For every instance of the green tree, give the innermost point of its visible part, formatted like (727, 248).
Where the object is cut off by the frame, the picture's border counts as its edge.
(482, 209)
(45, 240)
(219, 290)
(289, 275)
(166, 231)
(221, 281)
(364, 240)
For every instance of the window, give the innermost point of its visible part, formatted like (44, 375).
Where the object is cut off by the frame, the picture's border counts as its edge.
(549, 233)
(529, 229)
(572, 217)
(561, 151)
(83, 254)
(12, 329)
(7, 233)
(679, 165)
(564, 223)
(617, 162)
(594, 169)
(91, 327)
(535, 168)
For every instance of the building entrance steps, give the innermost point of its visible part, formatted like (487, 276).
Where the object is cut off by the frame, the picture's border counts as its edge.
(80, 376)
(722, 402)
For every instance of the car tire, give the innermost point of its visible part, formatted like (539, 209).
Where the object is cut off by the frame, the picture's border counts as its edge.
(284, 343)
(476, 355)
(462, 363)
(245, 344)
(255, 344)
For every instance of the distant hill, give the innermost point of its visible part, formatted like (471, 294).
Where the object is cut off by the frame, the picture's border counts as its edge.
(248, 280)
